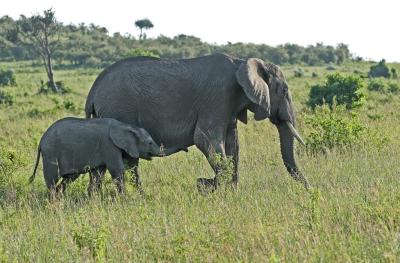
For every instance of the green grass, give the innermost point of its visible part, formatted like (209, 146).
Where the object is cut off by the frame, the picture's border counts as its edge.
(352, 213)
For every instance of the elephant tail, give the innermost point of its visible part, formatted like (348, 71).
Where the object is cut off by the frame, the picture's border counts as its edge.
(36, 165)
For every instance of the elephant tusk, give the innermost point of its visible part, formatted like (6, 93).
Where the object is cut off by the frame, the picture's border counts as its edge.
(295, 133)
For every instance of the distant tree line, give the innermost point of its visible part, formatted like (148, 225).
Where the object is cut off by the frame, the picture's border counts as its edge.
(91, 45)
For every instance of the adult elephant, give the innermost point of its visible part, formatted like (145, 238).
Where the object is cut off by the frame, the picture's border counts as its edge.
(198, 102)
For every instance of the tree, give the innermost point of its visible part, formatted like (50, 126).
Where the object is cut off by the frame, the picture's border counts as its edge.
(143, 24)
(42, 31)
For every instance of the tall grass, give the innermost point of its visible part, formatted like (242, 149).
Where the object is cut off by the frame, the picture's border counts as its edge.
(351, 214)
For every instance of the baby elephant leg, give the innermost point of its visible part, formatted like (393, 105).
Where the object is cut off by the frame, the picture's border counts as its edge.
(96, 177)
(133, 164)
(117, 170)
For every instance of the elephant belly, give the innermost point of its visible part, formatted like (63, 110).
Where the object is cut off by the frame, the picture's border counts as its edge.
(171, 129)
(76, 164)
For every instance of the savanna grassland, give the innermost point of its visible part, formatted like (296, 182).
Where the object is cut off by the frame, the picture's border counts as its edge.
(351, 214)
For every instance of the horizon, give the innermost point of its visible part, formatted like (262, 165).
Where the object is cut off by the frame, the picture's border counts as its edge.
(354, 27)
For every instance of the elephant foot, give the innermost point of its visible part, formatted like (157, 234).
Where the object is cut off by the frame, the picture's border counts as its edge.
(206, 186)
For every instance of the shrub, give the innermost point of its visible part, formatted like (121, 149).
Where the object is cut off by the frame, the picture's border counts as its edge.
(10, 161)
(394, 87)
(6, 98)
(330, 67)
(393, 71)
(138, 52)
(45, 87)
(7, 78)
(383, 86)
(69, 105)
(333, 128)
(379, 70)
(298, 73)
(348, 91)
(92, 238)
(93, 61)
(314, 74)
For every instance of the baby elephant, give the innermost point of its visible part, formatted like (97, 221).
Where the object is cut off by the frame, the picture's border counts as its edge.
(74, 146)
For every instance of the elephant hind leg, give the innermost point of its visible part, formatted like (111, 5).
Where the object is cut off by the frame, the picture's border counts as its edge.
(50, 172)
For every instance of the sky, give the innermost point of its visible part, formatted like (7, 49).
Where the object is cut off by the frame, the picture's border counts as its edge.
(371, 28)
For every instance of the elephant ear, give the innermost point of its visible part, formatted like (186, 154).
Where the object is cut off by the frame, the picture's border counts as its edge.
(250, 78)
(125, 139)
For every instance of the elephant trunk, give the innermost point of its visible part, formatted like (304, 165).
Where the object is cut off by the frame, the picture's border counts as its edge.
(161, 152)
(286, 137)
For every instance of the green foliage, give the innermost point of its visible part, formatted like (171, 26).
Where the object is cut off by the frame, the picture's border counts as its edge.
(69, 105)
(383, 86)
(393, 72)
(346, 90)
(138, 52)
(7, 78)
(333, 128)
(6, 98)
(379, 70)
(45, 87)
(10, 162)
(93, 238)
(91, 45)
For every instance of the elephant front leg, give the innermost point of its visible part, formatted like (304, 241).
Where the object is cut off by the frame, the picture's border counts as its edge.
(133, 164)
(212, 145)
(232, 152)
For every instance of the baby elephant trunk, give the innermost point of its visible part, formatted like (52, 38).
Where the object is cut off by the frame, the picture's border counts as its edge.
(161, 151)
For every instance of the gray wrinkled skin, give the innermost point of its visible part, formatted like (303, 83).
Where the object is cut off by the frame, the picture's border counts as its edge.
(73, 146)
(197, 102)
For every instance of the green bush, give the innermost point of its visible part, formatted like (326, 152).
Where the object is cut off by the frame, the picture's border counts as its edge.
(394, 87)
(10, 162)
(45, 87)
(379, 70)
(393, 71)
(93, 61)
(69, 105)
(7, 77)
(348, 91)
(6, 98)
(383, 86)
(138, 52)
(333, 128)
(93, 238)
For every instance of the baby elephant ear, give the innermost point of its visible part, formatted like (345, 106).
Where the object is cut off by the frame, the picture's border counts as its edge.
(124, 139)
(250, 77)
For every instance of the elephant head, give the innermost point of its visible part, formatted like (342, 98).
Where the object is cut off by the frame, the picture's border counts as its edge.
(136, 142)
(265, 86)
